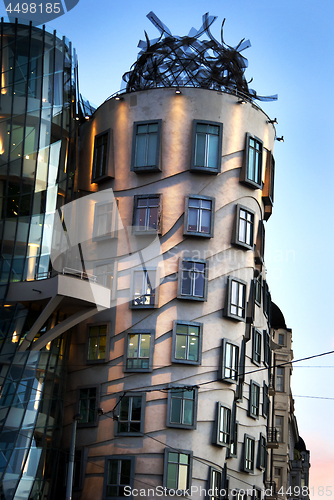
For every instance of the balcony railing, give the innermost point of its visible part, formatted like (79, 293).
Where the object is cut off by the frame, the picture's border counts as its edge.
(272, 438)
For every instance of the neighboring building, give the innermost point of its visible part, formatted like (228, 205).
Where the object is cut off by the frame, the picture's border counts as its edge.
(288, 472)
(134, 286)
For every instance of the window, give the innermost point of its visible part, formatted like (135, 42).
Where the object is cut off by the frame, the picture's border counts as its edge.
(119, 473)
(187, 342)
(214, 486)
(279, 422)
(230, 365)
(199, 215)
(252, 172)
(262, 453)
(131, 411)
(145, 292)
(146, 146)
(258, 289)
(139, 356)
(222, 434)
(97, 341)
(104, 274)
(256, 493)
(234, 440)
(193, 279)
(256, 346)
(278, 477)
(105, 220)
(281, 339)
(265, 404)
(254, 399)
(87, 405)
(236, 299)
(100, 163)
(249, 452)
(182, 408)
(147, 214)
(207, 146)
(260, 243)
(177, 470)
(268, 187)
(279, 379)
(266, 345)
(266, 300)
(244, 227)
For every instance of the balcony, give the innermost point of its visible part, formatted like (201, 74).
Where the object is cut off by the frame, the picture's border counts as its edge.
(272, 438)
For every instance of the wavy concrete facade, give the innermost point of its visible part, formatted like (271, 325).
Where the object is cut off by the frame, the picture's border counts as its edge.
(208, 279)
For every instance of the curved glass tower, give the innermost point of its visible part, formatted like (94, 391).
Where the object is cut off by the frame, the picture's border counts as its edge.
(38, 99)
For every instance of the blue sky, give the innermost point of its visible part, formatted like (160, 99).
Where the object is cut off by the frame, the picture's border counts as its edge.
(291, 55)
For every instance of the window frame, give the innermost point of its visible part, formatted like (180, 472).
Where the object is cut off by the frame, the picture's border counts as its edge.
(180, 279)
(97, 178)
(280, 377)
(258, 290)
(147, 230)
(133, 433)
(200, 340)
(166, 462)
(146, 168)
(254, 406)
(265, 401)
(107, 353)
(266, 349)
(135, 331)
(236, 238)
(269, 181)
(186, 231)
(260, 243)
(227, 310)
(94, 423)
(256, 346)
(217, 426)
(169, 408)
(245, 178)
(246, 468)
(262, 452)
(114, 229)
(201, 168)
(103, 263)
(279, 429)
(234, 441)
(132, 460)
(234, 368)
(148, 271)
(212, 486)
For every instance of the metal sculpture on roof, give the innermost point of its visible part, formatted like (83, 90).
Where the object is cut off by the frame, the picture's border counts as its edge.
(174, 61)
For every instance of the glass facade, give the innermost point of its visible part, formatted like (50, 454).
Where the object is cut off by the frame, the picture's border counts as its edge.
(38, 99)
(37, 120)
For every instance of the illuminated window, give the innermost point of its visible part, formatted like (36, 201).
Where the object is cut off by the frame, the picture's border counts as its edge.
(146, 146)
(139, 352)
(252, 172)
(144, 288)
(187, 343)
(215, 481)
(249, 453)
(244, 227)
(199, 216)
(100, 163)
(105, 220)
(177, 470)
(236, 299)
(193, 279)
(97, 341)
(147, 214)
(182, 408)
(207, 146)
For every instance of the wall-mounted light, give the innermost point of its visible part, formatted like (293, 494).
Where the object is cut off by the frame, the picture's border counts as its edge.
(86, 117)
(119, 98)
(241, 101)
(178, 91)
(280, 139)
(273, 121)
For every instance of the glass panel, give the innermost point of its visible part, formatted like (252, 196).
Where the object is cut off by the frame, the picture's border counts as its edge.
(180, 348)
(171, 475)
(136, 408)
(251, 160)
(125, 472)
(145, 345)
(183, 477)
(212, 151)
(140, 150)
(124, 408)
(193, 349)
(152, 127)
(186, 283)
(102, 347)
(193, 219)
(92, 348)
(206, 221)
(175, 411)
(112, 471)
(199, 285)
(194, 203)
(152, 149)
(200, 150)
(188, 406)
(133, 346)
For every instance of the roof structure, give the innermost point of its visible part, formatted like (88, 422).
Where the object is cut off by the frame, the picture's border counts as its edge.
(189, 61)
